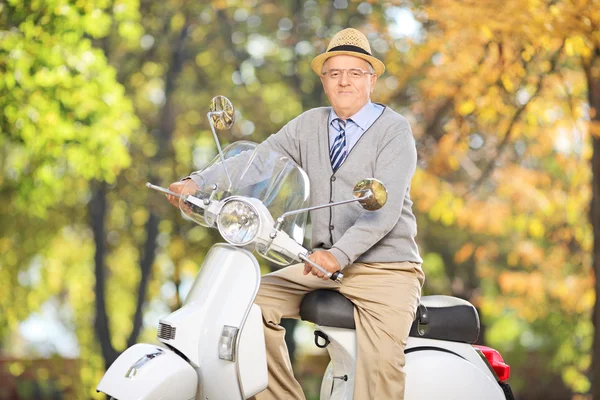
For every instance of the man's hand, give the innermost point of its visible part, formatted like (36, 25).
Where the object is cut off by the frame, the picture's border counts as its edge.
(187, 186)
(326, 260)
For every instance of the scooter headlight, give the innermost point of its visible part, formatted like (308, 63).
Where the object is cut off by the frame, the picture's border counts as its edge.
(238, 222)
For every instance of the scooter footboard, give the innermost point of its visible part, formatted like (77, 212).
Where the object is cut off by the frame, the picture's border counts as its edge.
(437, 374)
(147, 372)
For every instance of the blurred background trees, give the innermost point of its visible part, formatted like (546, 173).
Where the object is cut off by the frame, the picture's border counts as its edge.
(98, 97)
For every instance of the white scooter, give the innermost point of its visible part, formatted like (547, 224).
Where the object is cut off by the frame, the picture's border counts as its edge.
(213, 347)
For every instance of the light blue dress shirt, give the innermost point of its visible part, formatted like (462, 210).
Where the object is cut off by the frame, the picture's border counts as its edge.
(356, 124)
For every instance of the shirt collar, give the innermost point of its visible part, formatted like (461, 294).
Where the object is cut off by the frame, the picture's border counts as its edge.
(361, 118)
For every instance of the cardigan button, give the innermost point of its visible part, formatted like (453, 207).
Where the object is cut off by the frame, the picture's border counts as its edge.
(332, 178)
(330, 227)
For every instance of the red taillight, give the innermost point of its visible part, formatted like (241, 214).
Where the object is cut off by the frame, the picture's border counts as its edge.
(496, 361)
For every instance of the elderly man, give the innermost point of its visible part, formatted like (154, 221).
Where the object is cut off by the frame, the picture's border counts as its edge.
(337, 146)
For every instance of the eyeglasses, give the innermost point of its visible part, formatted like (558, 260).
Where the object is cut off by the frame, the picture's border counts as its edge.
(353, 73)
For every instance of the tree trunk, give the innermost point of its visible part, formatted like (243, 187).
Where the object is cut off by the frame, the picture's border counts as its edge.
(592, 71)
(101, 326)
(148, 256)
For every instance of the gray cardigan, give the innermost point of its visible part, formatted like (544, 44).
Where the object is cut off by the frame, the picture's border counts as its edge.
(386, 151)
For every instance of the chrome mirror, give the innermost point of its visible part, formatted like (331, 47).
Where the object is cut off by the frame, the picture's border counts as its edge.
(222, 112)
(371, 194)
(221, 116)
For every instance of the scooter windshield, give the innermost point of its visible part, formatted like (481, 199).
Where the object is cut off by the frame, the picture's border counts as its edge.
(259, 172)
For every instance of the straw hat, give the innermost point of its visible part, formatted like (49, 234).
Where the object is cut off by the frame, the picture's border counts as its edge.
(349, 42)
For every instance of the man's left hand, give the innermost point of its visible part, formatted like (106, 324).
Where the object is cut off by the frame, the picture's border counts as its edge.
(326, 260)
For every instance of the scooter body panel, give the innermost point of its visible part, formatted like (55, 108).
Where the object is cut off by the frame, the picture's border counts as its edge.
(148, 372)
(463, 350)
(436, 374)
(252, 355)
(222, 295)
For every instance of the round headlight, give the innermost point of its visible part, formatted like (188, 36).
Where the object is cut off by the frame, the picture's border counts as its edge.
(238, 222)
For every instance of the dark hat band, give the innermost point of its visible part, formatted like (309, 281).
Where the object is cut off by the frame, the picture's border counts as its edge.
(348, 47)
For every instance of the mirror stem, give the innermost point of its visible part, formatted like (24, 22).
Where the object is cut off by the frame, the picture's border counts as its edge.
(219, 146)
(294, 212)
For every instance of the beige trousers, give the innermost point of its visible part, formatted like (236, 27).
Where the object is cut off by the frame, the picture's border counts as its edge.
(385, 297)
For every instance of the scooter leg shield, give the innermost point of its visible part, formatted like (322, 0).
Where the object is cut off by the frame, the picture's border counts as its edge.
(433, 374)
(147, 372)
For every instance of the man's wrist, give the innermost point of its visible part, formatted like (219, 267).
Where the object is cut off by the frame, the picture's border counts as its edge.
(340, 256)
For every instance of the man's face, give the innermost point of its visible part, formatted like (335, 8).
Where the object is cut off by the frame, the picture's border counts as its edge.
(347, 95)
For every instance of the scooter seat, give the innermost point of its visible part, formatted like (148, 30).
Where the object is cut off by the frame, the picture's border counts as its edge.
(449, 318)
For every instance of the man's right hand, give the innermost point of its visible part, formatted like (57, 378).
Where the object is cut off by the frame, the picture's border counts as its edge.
(184, 187)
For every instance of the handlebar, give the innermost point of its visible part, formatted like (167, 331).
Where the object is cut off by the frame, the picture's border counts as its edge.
(162, 189)
(337, 276)
(198, 205)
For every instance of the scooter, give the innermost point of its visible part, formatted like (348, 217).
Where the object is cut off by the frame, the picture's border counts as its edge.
(213, 347)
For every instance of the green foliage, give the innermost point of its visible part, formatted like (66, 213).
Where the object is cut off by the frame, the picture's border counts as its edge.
(65, 117)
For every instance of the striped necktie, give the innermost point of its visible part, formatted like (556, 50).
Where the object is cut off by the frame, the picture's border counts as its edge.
(338, 152)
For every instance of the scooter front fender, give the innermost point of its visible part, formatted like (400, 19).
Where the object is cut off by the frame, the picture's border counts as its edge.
(147, 372)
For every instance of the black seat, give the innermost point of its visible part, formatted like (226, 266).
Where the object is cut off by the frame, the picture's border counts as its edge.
(448, 318)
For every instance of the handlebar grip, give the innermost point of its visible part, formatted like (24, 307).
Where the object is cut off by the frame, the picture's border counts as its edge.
(337, 276)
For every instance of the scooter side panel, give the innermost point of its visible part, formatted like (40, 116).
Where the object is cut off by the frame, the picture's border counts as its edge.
(147, 372)
(221, 296)
(432, 374)
(464, 350)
